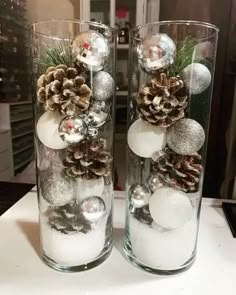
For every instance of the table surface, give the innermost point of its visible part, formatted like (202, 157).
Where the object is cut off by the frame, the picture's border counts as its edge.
(22, 272)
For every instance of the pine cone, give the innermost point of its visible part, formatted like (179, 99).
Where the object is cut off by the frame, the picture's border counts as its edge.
(68, 219)
(62, 88)
(88, 159)
(163, 100)
(181, 172)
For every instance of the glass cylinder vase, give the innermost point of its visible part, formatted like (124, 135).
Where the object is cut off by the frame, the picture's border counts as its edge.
(171, 72)
(73, 68)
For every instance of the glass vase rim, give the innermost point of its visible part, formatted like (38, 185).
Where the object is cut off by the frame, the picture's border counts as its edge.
(177, 22)
(75, 21)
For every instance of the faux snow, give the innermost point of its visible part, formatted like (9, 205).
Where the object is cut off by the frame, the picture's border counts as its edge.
(73, 249)
(162, 249)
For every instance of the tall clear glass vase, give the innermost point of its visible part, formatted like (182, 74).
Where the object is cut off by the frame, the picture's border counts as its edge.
(73, 69)
(171, 73)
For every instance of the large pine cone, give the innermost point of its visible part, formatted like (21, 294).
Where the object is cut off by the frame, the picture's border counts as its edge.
(181, 172)
(163, 100)
(89, 159)
(62, 88)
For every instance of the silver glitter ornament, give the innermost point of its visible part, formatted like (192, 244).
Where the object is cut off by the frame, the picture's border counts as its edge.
(154, 183)
(57, 189)
(97, 114)
(93, 208)
(186, 137)
(139, 195)
(103, 86)
(90, 50)
(156, 52)
(197, 78)
(72, 129)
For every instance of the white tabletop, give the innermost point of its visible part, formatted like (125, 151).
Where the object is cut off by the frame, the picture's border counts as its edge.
(22, 272)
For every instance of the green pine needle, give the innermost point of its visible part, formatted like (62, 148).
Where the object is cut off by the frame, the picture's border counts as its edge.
(184, 55)
(54, 56)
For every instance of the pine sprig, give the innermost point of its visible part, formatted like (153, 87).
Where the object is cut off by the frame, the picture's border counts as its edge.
(184, 55)
(53, 56)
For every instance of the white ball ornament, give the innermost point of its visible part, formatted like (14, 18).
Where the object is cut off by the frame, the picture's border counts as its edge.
(47, 130)
(197, 78)
(88, 188)
(144, 139)
(170, 208)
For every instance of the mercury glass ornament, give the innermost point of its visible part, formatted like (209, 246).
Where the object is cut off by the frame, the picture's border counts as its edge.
(186, 137)
(144, 139)
(155, 52)
(197, 78)
(47, 130)
(56, 188)
(97, 114)
(139, 195)
(170, 208)
(91, 50)
(103, 86)
(93, 208)
(72, 129)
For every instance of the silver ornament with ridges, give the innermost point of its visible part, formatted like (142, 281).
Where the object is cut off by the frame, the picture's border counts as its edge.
(197, 78)
(156, 52)
(97, 114)
(93, 208)
(103, 86)
(186, 137)
(139, 195)
(154, 183)
(72, 129)
(90, 50)
(57, 189)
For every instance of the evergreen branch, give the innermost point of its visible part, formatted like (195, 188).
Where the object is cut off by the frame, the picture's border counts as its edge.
(54, 56)
(184, 55)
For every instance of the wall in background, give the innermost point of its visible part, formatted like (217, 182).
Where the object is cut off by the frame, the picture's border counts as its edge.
(38, 10)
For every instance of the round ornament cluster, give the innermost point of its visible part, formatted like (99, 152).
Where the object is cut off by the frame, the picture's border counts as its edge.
(186, 137)
(156, 52)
